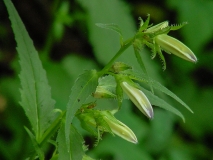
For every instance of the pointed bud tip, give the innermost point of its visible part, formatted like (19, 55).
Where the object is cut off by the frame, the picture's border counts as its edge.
(150, 114)
(194, 58)
(135, 141)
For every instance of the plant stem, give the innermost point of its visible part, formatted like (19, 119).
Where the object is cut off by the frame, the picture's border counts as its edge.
(121, 50)
(52, 129)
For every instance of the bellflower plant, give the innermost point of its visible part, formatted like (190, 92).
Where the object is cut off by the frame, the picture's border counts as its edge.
(49, 124)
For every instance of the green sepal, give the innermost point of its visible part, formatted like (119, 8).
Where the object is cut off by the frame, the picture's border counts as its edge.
(144, 25)
(161, 31)
(178, 26)
(158, 49)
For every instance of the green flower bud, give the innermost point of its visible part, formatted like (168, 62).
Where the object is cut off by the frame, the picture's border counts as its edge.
(106, 122)
(101, 92)
(119, 66)
(174, 46)
(120, 129)
(139, 99)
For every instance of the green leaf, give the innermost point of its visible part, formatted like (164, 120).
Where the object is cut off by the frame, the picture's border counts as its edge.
(113, 27)
(35, 144)
(35, 93)
(85, 157)
(76, 144)
(105, 43)
(163, 89)
(143, 78)
(75, 150)
(82, 89)
(155, 100)
(142, 65)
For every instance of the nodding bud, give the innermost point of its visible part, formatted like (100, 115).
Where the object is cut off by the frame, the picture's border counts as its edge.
(139, 99)
(174, 46)
(119, 66)
(120, 129)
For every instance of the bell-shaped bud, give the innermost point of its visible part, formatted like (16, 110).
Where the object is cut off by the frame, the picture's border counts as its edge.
(138, 98)
(174, 46)
(119, 66)
(105, 122)
(120, 129)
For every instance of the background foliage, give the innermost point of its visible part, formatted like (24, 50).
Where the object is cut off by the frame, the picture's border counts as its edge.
(68, 41)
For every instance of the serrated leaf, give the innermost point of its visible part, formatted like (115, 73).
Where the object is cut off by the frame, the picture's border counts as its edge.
(75, 151)
(143, 78)
(155, 100)
(82, 89)
(35, 93)
(35, 144)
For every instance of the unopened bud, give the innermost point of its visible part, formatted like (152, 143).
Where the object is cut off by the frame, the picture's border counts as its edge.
(174, 46)
(139, 99)
(120, 129)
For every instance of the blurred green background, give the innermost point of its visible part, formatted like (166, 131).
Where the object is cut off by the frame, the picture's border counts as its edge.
(65, 34)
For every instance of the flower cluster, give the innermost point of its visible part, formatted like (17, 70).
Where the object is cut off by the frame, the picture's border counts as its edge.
(120, 77)
(157, 38)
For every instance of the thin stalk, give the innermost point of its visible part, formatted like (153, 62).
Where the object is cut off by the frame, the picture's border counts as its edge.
(121, 50)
